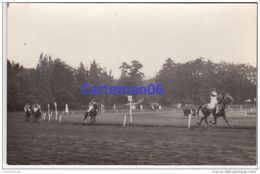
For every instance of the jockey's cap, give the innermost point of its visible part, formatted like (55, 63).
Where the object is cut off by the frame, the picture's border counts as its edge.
(213, 94)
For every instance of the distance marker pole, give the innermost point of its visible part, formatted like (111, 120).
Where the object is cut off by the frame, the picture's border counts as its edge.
(124, 121)
(56, 113)
(131, 117)
(189, 121)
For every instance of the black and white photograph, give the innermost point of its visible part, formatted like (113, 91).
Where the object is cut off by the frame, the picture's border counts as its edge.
(130, 85)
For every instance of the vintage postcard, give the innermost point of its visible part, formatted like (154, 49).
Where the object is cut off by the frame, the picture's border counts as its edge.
(130, 85)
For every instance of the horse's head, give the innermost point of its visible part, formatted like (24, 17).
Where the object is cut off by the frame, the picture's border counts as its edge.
(229, 98)
(225, 97)
(95, 105)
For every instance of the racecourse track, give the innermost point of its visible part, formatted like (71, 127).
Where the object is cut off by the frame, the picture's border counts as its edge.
(154, 138)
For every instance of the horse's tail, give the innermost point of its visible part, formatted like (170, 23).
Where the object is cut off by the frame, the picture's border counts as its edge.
(198, 111)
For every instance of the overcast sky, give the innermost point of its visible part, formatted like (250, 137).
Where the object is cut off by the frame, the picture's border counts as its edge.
(116, 33)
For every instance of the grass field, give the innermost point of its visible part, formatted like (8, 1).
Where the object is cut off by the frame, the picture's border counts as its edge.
(155, 138)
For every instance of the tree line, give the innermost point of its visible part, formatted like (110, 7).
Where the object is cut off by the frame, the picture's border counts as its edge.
(55, 81)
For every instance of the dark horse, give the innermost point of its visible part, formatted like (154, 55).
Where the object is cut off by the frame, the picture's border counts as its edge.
(223, 99)
(36, 112)
(92, 113)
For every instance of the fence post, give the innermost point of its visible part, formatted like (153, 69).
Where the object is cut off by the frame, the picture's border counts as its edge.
(131, 115)
(56, 113)
(44, 115)
(67, 109)
(48, 110)
(50, 117)
(115, 107)
(189, 121)
(124, 121)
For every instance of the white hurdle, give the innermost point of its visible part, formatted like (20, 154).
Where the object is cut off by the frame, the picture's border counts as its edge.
(189, 121)
(49, 110)
(141, 108)
(114, 107)
(50, 117)
(130, 99)
(56, 112)
(44, 115)
(67, 109)
(124, 121)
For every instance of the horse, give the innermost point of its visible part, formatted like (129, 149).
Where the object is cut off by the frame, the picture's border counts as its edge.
(36, 112)
(27, 114)
(224, 98)
(92, 113)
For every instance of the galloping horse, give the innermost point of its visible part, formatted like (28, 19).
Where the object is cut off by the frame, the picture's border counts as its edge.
(223, 99)
(92, 113)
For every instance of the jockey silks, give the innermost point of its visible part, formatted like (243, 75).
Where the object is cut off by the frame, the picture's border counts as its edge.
(27, 108)
(213, 100)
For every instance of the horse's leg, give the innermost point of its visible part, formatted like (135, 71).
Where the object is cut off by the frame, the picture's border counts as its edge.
(198, 123)
(201, 110)
(225, 118)
(206, 115)
(36, 117)
(206, 121)
(215, 119)
(85, 119)
(92, 119)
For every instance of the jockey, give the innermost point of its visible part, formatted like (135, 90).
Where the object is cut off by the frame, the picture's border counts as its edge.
(92, 103)
(27, 107)
(213, 99)
(36, 107)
